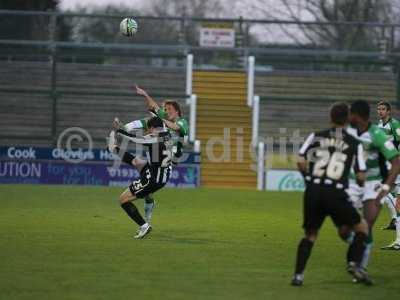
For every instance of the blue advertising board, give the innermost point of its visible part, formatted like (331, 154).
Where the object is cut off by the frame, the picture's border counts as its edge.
(36, 165)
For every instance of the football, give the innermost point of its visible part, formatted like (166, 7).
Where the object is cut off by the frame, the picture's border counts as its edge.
(128, 27)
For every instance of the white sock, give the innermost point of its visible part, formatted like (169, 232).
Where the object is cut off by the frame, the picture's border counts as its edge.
(350, 239)
(148, 205)
(144, 225)
(390, 201)
(367, 252)
(397, 230)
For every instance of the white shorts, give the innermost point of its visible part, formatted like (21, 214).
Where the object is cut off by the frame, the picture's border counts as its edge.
(358, 194)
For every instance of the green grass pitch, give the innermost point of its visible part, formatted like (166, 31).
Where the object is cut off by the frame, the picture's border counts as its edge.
(63, 242)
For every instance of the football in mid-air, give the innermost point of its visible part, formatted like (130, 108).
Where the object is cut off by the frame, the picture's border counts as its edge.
(128, 27)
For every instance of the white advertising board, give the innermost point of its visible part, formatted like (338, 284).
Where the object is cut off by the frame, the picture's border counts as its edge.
(284, 180)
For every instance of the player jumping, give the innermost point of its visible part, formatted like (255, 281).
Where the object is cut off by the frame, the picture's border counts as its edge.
(171, 114)
(154, 172)
(325, 160)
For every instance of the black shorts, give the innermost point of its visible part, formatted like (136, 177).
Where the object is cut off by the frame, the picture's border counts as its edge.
(151, 180)
(321, 201)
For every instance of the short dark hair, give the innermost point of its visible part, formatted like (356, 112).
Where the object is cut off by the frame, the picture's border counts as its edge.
(386, 104)
(176, 106)
(339, 113)
(360, 108)
(155, 122)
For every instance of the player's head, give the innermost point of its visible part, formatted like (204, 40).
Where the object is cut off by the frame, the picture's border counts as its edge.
(359, 112)
(155, 124)
(384, 109)
(339, 113)
(173, 109)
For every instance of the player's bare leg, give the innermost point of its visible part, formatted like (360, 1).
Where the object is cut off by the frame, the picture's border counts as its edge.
(136, 162)
(347, 234)
(390, 201)
(371, 211)
(356, 236)
(356, 253)
(396, 244)
(126, 199)
(148, 200)
(149, 204)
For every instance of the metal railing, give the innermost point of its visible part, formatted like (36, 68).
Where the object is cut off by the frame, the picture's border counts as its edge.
(182, 30)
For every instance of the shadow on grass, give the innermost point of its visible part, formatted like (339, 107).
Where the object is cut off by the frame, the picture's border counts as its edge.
(186, 240)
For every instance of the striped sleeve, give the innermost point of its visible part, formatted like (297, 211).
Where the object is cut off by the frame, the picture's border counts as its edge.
(304, 148)
(359, 162)
(135, 125)
(146, 140)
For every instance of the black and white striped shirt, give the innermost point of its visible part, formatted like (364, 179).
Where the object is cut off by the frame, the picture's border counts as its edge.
(330, 154)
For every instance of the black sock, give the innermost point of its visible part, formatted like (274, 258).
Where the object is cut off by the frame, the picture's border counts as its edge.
(149, 199)
(303, 253)
(357, 248)
(133, 212)
(349, 254)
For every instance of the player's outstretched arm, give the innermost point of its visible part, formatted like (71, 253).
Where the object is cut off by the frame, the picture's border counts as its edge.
(394, 171)
(146, 140)
(391, 178)
(391, 154)
(131, 126)
(361, 177)
(150, 101)
(302, 165)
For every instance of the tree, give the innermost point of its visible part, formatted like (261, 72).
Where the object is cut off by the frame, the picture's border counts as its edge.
(150, 31)
(22, 27)
(28, 5)
(189, 8)
(97, 29)
(337, 36)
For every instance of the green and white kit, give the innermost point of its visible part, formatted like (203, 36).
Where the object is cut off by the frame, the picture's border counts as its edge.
(378, 150)
(179, 137)
(392, 131)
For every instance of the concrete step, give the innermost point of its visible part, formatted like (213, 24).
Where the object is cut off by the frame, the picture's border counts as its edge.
(222, 89)
(221, 107)
(240, 88)
(226, 120)
(212, 96)
(233, 74)
(210, 127)
(226, 133)
(230, 102)
(219, 79)
(222, 113)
